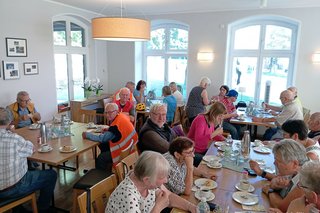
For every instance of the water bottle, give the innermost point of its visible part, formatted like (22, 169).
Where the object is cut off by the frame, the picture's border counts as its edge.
(65, 124)
(229, 140)
(203, 206)
(245, 145)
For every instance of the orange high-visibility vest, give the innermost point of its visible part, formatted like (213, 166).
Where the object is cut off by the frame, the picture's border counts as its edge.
(15, 107)
(128, 133)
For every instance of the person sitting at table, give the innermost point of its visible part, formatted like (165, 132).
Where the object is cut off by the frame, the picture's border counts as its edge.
(289, 156)
(130, 85)
(23, 111)
(198, 99)
(180, 157)
(139, 92)
(171, 103)
(228, 102)
(176, 93)
(117, 137)
(155, 134)
(294, 90)
(207, 127)
(290, 110)
(16, 180)
(142, 190)
(314, 126)
(125, 105)
(298, 131)
(224, 89)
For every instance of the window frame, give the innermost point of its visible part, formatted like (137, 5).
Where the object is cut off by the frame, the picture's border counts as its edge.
(69, 50)
(166, 53)
(261, 53)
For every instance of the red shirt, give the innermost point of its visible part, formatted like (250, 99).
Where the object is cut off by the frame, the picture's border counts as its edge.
(229, 106)
(126, 108)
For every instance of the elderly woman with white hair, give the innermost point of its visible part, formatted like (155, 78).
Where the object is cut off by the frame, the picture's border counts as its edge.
(143, 190)
(155, 134)
(198, 99)
(289, 156)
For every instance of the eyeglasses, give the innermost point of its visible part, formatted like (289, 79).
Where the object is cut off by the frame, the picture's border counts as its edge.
(189, 153)
(160, 115)
(24, 101)
(110, 112)
(301, 186)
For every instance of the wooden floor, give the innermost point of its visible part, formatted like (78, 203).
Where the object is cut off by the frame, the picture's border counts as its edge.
(66, 180)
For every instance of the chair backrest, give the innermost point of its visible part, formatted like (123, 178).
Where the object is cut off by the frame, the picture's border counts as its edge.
(306, 115)
(127, 164)
(87, 115)
(99, 195)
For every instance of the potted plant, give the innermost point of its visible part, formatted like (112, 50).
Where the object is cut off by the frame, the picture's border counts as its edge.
(87, 87)
(97, 87)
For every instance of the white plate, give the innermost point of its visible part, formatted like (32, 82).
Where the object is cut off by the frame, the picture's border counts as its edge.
(205, 183)
(220, 149)
(262, 149)
(240, 119)
(245, 198)
(260, 161)
(72, 149)
(209, 158)
(219, 143)
(34, 126)
(251, 188)
(43, 151)
(211, 197)
(214, 167)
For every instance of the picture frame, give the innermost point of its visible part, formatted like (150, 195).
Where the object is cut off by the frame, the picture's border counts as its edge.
(16, 47)
(31, 68)
(10, 70)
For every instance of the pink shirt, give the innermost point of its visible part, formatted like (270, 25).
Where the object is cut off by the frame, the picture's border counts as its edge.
(200, 132)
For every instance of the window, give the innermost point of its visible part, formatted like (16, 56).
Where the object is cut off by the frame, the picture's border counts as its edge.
(165, 57)
(261, 57)
(70, 56)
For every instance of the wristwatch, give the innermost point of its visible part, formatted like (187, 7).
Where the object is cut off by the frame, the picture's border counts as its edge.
(270, 191)
(263, 174)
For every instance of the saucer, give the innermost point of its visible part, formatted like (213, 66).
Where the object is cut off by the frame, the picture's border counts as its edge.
(218, 166)
(67, 149)
(219, 143)
(209, 158)
(44, 151)
(262, 149)
(209, 198)
(35, 126)
(251, 188)
(220, 149)
(205, 183)
(245, 198)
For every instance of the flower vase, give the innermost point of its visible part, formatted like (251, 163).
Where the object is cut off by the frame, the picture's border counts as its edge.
(87, 93)
(98, 93)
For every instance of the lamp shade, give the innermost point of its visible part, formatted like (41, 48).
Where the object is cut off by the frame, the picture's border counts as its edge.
(120, 29)
(205, 56)
(316, 58)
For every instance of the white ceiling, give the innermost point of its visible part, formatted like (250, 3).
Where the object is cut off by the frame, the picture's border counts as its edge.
(155, 7)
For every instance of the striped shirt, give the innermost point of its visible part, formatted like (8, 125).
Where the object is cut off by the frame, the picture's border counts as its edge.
(14, 151)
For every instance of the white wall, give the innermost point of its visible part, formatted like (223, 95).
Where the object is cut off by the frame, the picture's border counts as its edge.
(32, 20)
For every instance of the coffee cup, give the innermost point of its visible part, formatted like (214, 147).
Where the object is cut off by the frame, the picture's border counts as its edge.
(241, 116)
(91, 125)
(205, 193)
(45, 148)
(257, 142)
(244, 185)
(214, 162)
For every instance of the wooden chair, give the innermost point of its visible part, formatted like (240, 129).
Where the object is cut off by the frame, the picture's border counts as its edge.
(97, 195)
(87, 115)
(126, 164)
(7, 204)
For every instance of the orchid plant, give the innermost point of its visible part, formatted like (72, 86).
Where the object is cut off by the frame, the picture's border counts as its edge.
(97, 87)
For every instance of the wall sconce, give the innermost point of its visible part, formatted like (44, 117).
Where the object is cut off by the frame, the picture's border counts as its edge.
(316, 58)
(205, 56)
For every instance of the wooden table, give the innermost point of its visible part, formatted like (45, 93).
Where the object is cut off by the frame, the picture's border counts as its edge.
(227, 179)
(55, 157)
(247, 120)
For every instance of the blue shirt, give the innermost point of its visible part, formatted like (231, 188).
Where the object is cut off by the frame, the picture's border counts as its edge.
(171, 106)
(27, 122)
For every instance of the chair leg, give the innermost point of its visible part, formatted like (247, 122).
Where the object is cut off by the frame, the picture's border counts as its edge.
(34, 203)
(75, 194)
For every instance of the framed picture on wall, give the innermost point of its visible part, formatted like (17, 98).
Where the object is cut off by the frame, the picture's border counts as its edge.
(10, 70)
(16, 47)
(31, 68)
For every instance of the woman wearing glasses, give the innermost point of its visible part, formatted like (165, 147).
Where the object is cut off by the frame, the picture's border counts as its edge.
(180, 157)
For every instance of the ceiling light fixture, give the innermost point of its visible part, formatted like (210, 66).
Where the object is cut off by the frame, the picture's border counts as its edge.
(120, 28)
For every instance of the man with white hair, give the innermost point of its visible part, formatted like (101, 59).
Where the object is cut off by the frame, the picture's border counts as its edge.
(294, 90)
(290, 110)
(198, 99)
(314, 126)
(125, 105)
(176, 93)
(117, 137)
